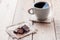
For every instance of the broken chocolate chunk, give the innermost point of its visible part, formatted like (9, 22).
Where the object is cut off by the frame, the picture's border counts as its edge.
(25, 28)
(19, 31)
(22, 30)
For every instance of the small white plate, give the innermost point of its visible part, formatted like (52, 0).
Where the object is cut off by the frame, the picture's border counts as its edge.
(11, 28)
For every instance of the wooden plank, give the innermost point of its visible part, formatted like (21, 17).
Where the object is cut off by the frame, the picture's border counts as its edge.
(7, 8)
(56, 10)
(57, 27)
(21, 13)
(45, 31)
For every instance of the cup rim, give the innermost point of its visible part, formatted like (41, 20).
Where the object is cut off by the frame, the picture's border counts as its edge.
(41, 8)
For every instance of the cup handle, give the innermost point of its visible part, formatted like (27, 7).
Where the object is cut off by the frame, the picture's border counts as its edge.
(29, 11)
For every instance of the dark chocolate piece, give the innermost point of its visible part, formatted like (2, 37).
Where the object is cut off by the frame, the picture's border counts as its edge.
(26, 28)
(19, 31)
(22, 30)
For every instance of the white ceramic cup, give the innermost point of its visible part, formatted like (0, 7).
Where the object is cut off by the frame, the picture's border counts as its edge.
(41, 10)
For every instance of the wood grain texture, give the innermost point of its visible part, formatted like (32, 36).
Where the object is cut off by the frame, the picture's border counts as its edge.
(45, 32)
(7, 8)
(56, 10)
(21, 12)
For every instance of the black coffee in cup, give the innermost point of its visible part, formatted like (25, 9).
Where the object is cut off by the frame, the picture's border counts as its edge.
(41, 5)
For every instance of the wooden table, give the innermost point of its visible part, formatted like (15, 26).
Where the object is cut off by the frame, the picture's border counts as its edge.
(12, 12)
